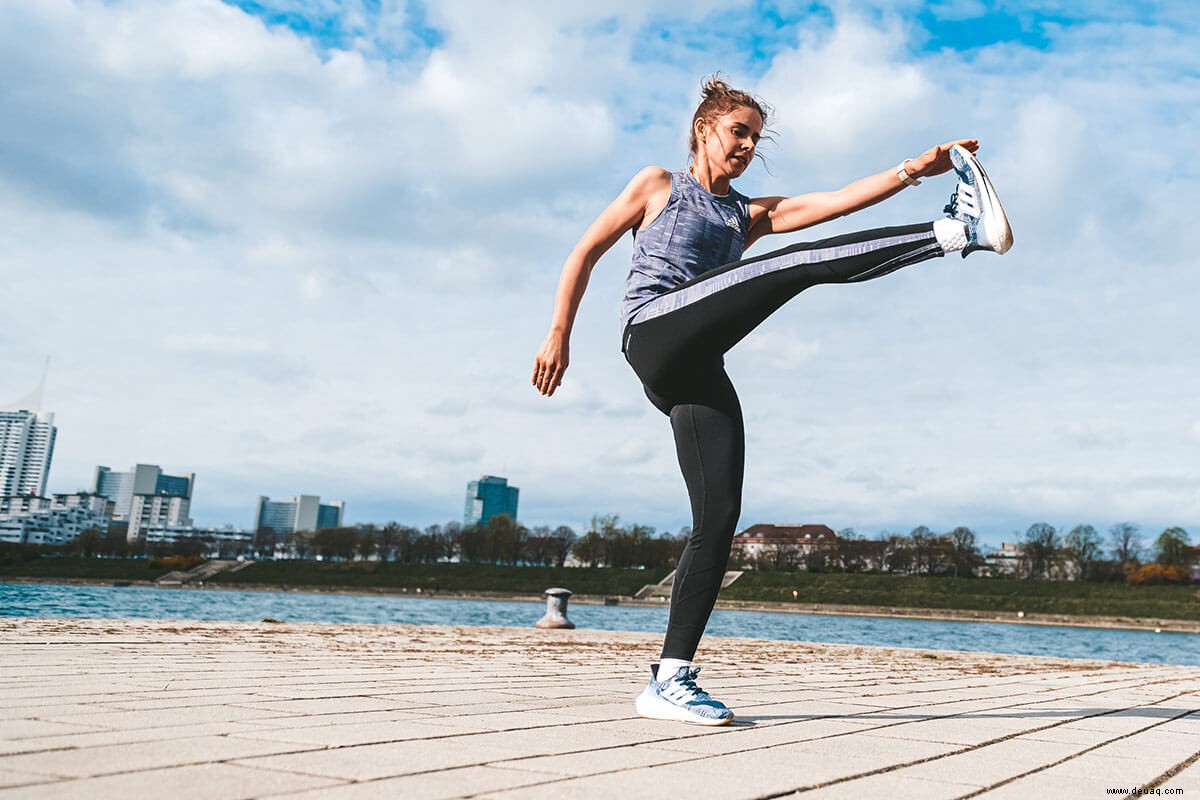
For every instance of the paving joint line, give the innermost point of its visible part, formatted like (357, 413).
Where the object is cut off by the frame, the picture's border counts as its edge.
(992, 708)
(157, 768)
(1147, 788)
(1076, 755)
(980, 746)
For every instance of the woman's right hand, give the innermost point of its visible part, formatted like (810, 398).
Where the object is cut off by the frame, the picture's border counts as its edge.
(550, 363)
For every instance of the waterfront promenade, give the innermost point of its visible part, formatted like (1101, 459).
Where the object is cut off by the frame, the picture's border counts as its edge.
(223, 710)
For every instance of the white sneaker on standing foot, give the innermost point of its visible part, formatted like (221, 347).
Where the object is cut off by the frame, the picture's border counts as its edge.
(975, 203)
(678, 698)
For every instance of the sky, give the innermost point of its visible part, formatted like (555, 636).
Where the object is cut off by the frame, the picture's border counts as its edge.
(310, 247)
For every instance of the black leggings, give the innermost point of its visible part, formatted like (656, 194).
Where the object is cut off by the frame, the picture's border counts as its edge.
(676, 345)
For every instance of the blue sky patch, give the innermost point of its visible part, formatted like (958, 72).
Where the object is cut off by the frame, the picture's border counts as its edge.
(330, 28)
(994, 27)
(744, 41)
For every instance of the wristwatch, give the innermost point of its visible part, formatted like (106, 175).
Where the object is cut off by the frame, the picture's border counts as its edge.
(903, 175)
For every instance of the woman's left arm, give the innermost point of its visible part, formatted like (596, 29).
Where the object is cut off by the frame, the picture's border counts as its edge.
(786, 214)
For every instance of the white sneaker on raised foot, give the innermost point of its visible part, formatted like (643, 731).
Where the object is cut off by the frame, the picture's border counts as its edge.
(678, 698)
(975, 203)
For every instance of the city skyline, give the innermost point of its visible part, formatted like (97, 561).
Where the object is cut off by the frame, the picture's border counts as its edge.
(143, 498)
(160, 502)
(333, 232)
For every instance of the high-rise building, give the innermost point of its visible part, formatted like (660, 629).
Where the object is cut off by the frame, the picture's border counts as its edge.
(26, 447)
(488, 497)
(26, 444)
(305, 512)
(142, 479)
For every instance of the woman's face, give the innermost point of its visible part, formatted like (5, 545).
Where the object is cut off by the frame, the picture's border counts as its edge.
(728, 142)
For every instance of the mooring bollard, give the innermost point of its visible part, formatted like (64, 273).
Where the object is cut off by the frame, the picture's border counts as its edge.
(556, 609)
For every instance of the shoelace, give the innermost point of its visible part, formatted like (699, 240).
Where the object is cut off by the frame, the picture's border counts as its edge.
(951, 208)
(688, 687)
(963, 195)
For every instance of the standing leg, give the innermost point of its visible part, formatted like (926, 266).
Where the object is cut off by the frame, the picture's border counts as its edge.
(710, 442)
(710, 439)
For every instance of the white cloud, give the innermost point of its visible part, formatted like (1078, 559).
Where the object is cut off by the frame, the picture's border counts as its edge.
(842, 93)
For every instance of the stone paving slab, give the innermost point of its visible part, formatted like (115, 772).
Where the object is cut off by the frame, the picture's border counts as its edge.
(196, 710)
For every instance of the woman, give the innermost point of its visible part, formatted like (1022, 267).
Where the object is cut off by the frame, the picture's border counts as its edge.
(689, 299)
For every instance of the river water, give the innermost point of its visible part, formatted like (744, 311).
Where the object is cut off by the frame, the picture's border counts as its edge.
(108, 602)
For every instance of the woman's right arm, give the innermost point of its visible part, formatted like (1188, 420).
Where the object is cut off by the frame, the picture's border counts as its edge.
(641, 199)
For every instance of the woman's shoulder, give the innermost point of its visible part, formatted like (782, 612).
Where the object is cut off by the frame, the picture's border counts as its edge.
(651, 178)
(650, 186)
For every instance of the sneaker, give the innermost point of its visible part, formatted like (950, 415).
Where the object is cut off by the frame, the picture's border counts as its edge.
(975, 202)
(678, 698)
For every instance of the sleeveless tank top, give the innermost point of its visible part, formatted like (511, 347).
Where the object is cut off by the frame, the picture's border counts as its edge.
(695, 232)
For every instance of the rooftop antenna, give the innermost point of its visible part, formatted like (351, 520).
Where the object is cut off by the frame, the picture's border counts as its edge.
(32, 401)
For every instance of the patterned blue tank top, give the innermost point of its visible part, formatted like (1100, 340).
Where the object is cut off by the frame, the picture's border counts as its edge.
(695, 232)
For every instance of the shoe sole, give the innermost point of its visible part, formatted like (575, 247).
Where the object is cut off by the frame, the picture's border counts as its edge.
(655, 709)
(997, 231)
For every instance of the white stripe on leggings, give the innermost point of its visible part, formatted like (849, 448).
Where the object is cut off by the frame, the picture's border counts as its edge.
(666, 303)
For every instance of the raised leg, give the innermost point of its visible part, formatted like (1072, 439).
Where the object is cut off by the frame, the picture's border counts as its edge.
(704, 318)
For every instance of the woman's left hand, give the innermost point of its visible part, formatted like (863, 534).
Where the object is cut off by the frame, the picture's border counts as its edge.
(936, 160)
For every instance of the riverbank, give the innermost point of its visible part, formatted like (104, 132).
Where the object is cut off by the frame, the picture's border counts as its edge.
(950, 615)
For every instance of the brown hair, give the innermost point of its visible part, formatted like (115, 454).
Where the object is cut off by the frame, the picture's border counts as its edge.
(719, 99)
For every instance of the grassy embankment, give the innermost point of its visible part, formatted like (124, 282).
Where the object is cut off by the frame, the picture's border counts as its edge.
(971, 594)
(901, 591)
(88, 569)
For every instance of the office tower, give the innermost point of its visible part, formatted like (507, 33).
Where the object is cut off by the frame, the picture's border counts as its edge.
(26, 444)
(304, 512)
(26, 447)
(488, 497)
(142, 479)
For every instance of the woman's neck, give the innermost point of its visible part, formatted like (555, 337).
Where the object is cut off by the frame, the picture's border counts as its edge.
(718, 185)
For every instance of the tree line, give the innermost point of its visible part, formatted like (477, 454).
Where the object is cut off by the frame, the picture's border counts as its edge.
(1080, 554)
(921, 551)
(1040, 553)
(500, 540)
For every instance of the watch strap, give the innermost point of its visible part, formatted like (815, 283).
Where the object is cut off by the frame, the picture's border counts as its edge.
(903, 175)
